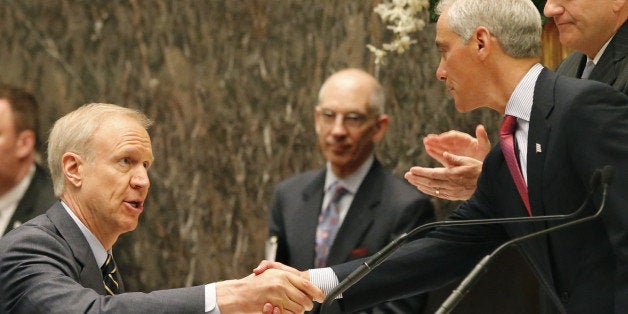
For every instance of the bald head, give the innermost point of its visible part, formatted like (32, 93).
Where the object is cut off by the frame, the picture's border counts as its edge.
(358, 82)
(349, 119)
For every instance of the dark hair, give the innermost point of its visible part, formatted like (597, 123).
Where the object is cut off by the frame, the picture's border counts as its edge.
(24, 106)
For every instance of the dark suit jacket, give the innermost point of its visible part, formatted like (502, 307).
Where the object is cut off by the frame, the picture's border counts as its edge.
(384, 207)
(579, 125)
(612, 68)
(38, 197)
(47, 266)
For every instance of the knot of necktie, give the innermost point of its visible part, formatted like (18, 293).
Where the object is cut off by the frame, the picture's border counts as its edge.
(508, 126)
(339, 192)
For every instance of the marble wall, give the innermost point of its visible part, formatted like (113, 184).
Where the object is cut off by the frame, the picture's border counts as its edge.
(231, 86)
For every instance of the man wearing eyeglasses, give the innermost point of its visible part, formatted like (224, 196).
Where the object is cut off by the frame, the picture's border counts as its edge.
(354, 206)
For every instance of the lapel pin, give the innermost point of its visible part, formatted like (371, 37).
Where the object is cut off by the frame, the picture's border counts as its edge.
(538, 147)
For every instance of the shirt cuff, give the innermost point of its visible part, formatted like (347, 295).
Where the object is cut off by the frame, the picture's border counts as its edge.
(325, 279)
(211, 306)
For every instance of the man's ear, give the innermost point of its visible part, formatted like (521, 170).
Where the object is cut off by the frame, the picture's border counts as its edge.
(72, 168)
(317, 123)
(483, 41)
(25, 143)
(380, 127)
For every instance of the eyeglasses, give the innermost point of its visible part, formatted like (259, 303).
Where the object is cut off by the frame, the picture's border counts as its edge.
(352, 120)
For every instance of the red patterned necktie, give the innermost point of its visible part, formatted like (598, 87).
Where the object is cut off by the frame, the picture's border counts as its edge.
(328, 224)
(507, 143)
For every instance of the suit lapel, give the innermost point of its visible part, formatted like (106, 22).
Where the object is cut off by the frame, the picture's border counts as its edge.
(23, 212)
(611, 64)
(307, 220)
(538, 139)
(359, 217)
(90, 275)
(573, 65)
(26, 208)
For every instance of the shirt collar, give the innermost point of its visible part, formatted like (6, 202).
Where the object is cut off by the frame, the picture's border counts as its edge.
(97, 249)
(351, 182)
(520, 102)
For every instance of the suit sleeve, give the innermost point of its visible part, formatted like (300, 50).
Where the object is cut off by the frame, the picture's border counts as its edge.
(415, 213)
(426, 264)
(38, 274)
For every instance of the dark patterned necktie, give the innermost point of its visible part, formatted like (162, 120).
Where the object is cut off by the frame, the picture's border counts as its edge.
(109, 275)
(328, 224)
(507, 143)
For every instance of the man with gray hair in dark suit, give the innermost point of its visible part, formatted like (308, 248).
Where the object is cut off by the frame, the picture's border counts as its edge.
(596, 30)
(61, 261)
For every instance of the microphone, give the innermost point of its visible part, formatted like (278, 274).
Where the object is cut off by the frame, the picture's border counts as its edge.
(464, 287)
(381, 255)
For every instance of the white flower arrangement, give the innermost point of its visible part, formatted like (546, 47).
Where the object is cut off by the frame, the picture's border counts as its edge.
(403, 18)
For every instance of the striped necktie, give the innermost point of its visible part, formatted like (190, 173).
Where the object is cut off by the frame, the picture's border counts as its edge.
(507, 144)
(109, 276)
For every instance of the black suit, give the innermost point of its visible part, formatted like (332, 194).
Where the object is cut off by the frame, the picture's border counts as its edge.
(612, 68)
(38, 197)
(383, 207)
(47, 266)
(579, 125)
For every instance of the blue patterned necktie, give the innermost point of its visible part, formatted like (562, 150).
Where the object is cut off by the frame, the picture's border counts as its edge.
(328, 224)
(109, 276)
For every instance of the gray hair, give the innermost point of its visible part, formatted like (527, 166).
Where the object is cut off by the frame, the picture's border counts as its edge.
(515, 23)
(377, 102)
(74, 132)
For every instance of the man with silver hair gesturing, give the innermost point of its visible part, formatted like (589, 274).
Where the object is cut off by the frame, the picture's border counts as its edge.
(565, 129)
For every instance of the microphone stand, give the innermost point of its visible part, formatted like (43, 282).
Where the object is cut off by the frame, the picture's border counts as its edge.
(480, 268)
(374, 260)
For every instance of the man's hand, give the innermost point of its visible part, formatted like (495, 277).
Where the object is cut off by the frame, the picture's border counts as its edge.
(288, 292)
(265, 265)
(458, 143)
(461, 155)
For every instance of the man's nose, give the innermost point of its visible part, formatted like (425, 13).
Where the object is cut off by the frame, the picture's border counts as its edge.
(339, 125)
(140, 179)
(552, 8)
(441, 73)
